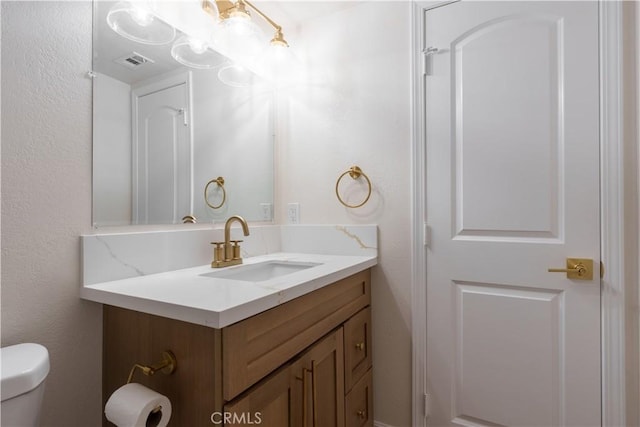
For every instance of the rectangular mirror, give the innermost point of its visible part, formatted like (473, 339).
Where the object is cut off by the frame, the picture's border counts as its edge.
(163, 132)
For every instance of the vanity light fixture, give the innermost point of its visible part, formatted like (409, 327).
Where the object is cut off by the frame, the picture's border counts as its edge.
(239, 35)
(232, 34)
(134, 22)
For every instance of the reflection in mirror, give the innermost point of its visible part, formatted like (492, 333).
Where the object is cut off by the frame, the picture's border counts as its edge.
(162, 131)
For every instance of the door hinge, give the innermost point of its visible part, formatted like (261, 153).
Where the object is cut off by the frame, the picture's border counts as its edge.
(427, 400)
(426, 235)
(601, 270)
(426, 63)
(183, 113)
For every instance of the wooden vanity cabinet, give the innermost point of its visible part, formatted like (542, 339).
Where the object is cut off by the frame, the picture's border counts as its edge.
(306, 362)
(307, 392)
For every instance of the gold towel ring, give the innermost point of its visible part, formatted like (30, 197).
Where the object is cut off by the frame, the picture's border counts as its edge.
(354, 172)
(220, 181)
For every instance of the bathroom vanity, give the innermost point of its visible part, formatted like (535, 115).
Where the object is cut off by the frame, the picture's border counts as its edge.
(306, 362)
(283, 339)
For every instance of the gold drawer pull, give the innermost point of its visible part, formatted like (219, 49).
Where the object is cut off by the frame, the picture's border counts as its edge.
(361, 414)
(360, 346)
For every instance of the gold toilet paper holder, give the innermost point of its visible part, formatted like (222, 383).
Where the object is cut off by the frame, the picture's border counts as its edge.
(167, 366)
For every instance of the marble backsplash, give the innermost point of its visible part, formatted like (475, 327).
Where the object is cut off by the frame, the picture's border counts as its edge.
(114, 256)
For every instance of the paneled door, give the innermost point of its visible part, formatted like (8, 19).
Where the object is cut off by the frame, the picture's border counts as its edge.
(512, 143)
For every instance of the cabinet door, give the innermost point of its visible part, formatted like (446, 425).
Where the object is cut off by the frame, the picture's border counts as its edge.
(357, 347)
(318, 379)
(268, 404)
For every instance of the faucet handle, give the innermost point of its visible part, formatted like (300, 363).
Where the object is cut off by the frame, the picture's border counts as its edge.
(236, 249)
(218, 251)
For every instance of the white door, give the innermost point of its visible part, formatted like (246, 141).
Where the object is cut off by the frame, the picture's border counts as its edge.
(162, 157)
(512, 147)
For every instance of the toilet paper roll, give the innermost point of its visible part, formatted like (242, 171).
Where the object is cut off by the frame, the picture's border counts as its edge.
(134, 405)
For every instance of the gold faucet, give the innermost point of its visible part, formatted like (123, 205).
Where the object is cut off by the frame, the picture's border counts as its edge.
(228, 252)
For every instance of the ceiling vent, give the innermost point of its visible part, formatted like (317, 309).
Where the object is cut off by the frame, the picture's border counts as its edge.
(133, 60)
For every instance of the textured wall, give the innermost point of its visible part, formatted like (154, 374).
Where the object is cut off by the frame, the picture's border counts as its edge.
(46, 200)
(354, 107)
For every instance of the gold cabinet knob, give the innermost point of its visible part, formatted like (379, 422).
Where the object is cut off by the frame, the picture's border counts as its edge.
(360, 346)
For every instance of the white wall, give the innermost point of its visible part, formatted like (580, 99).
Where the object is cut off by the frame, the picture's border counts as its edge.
(111, 151)
(233, 138)
(46, 200)
(354, 108)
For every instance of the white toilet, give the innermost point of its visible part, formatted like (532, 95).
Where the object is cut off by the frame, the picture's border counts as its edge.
(24, 370)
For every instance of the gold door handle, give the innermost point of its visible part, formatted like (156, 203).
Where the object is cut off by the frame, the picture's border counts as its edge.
(361, 414)
(577, 268)
(360, 346)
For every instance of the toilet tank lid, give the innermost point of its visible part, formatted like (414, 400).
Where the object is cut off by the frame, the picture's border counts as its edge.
(24, 367)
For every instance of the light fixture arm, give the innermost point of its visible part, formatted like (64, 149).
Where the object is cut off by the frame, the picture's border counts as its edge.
(277, 27)
(224, 6)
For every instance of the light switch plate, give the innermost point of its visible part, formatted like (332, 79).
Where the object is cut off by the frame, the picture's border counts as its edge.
(293, 213)
(266, 211)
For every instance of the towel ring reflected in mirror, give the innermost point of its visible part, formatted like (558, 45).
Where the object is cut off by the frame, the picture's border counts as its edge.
(354, 172)
(220, 181)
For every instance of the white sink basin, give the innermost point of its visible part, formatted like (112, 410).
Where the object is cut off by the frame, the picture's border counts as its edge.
(262, 271)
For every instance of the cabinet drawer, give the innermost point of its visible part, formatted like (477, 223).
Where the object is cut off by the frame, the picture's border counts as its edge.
(253, 348)
(357, 347)
(359, 403)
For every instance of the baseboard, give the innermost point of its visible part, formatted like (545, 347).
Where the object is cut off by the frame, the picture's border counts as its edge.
(379, 424)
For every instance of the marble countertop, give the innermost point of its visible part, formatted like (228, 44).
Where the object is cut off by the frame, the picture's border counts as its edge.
(217, 302)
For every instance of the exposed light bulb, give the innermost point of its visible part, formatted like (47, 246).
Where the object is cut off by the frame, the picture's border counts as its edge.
(195, 53)
(135, 22)
(197, 46)
(141, 16)
(239, 25)
(279, 52)
(279, 64)
(237, 37)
